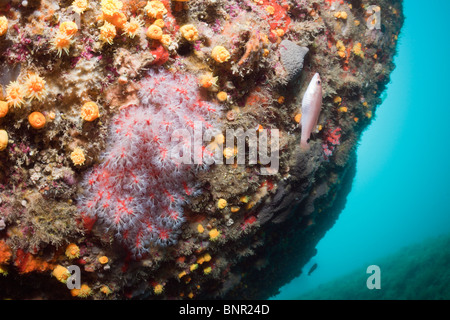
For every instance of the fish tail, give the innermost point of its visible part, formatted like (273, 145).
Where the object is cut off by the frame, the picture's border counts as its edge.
(304, 145)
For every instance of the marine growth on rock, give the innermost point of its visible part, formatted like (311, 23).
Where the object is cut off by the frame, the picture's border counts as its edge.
(128, 129)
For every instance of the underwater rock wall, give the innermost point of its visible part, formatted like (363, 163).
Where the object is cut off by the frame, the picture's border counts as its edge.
(74, 71)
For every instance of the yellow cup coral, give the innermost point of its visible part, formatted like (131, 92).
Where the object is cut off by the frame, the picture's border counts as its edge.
(83, 292)
(357, 50)
(207, 257)
(193, 267)
(107, 32)
(341, 15)
(62, 42)
(154, 32)
(214, 234)
(103, 259)
(3, 140)
(155, 9)
(270, 10)
(207, 270)
(15, 94)
(118, 19)
(160, 23)
(222, 203)
(36, 120)
(72, 251)
(61, 273)
(228, 153)
(158, 289)
(189, 32)
(77, 156)
(69, 28)
(235, 209)
(207, 80)
(35, 87)
(3, 25)
(222, 96)
(110, 7)
(220, 54)
(89, 111)
(79, 6)
(106, 290)
(132, 27)
(3, 108)
(166, 40)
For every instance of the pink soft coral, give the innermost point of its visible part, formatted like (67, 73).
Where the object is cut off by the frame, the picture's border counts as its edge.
(139, 190)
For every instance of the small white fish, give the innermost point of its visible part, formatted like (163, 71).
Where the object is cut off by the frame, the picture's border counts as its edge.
(311, 104)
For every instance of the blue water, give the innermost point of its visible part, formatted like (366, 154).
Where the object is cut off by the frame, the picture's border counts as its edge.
(401, 193)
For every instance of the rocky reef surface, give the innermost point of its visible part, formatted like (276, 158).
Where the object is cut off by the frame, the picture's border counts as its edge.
(93, 93)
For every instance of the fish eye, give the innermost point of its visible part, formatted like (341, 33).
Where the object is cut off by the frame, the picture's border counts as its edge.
(318, 81)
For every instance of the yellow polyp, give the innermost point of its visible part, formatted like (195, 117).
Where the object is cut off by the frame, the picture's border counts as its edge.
(222, 203)
(193, 267)
(107, 32)
(207, 270)
(77, 156)
(72, 251)
(220, 54)
(158, 289)
(103, 259)
(3, 25)
(79, 6)
(61, 273)
(207, 257)
(106, 290)
(84, 291)
(214, 234)
(3, 139)
(235, 209)
(189, 32)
